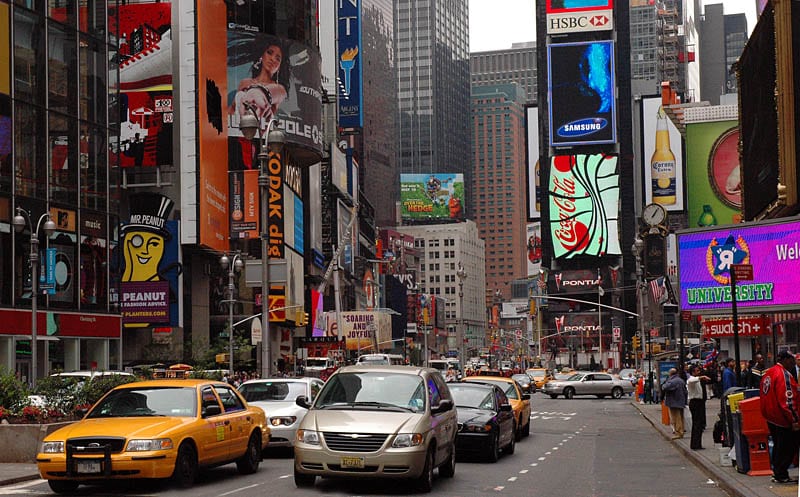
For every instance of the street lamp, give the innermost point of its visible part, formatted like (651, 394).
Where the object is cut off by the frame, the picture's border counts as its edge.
(21, 220)
(462, 275)
(249, 124)
(232, 267)
(638, 250)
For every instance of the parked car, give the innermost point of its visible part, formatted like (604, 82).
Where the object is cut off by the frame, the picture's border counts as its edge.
(520, 401)
(277, 397)
(378, 422)
(599, 384)
(156, 429)
(485, 420)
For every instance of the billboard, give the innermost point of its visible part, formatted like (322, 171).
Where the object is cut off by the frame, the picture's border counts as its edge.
(575, 16)
(574, 281)
(705, 259)
(533, 233)
(360, 328)
(534, 187)
(279, 79)
(432, 196)
(581, 93)
(578, 329)
(243, 193)
(713, 181)
(350, 71)
(670, 142)
(563, 6)
(584, 205)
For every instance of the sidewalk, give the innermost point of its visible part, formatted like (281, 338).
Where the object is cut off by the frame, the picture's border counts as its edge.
(708, 460)
(11, 473)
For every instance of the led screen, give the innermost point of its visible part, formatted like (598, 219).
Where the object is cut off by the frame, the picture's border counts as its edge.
(581, 93)
(705, 259)
(432, 196)
(534, 188)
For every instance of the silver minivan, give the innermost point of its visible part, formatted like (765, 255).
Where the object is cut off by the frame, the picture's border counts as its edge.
(396, 422)
(381, 360)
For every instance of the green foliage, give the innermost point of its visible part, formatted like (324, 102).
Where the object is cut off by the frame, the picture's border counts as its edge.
(13, 392)
(97, 387)
(65, 394)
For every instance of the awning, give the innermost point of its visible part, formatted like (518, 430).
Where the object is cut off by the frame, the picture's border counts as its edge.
(785, 317)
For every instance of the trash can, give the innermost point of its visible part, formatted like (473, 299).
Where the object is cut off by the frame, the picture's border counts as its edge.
(740, 445)
(754, 428)
(725, 411)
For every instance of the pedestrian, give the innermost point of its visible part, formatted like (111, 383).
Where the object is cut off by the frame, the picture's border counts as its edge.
(756, 372)
(640, 388)
(697, 405)
(729, 374)
(779, 407)
(675, 398)
(744, 375)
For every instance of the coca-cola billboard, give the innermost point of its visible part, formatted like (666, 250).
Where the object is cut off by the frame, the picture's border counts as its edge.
(584, 205)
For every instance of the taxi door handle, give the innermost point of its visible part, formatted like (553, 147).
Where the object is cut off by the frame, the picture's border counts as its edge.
(227, 422)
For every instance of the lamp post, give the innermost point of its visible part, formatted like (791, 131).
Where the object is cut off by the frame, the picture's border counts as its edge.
(249, 124)
(637, 249)
(232, 266)
(21, 220)
(462, 275)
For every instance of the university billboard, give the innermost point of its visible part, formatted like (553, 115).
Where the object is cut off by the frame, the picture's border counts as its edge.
(350, 71)
(670, 143)
(584, 205)
(432, 196)
(705, 260)
(581, 93)
(533, 160)
(713, 181)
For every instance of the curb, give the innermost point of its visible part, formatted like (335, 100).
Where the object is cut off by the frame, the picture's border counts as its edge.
(18, 479)
(727, 483)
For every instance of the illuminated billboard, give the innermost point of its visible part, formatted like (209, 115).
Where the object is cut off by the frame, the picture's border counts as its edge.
(350, 70)
(705, 259)
(574, 16)
(584, 205)
(662, 157)
(581, 93)
(432, 196)
(713, 182)
(534, 187)
(534, 248)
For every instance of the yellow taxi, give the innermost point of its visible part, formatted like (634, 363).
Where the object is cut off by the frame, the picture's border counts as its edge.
(156, 429)
(539, 376)
(520, 402)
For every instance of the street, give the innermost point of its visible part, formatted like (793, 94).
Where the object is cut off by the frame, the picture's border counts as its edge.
(579, 447)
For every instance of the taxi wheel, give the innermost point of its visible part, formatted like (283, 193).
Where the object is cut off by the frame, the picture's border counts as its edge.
(248, 463)
(526, 432)
(518, 430)
(304, 481)
(185, 466)
(616, 393)
(62, 486)
(424, 482)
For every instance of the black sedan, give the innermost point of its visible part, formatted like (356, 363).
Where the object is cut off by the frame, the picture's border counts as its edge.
(485, 420)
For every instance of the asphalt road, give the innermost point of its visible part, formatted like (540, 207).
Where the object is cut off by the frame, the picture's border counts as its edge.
(580, 447)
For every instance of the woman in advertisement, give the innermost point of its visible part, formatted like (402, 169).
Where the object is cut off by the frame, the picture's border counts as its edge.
(268, 84)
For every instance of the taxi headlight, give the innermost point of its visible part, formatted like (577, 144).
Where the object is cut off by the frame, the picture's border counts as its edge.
(52, 447)
(308, 437)
(141, 445)
(282, 420)
(407, 440)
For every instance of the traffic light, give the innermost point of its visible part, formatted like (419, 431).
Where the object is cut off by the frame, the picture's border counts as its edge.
(635, 342)
(305, 318)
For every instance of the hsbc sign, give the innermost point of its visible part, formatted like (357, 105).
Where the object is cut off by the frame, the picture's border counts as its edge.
(580, 22)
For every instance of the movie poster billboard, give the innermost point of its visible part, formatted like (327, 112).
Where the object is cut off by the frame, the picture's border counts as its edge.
(672, 143)
(581, 93)
(584, 205)
(145, 83)
(432, 196)
(274, 78)
(713, 180)
(533, 171)
(533, 233)
(576, 16)
(705, 260)
(350, 69)
(362, 329)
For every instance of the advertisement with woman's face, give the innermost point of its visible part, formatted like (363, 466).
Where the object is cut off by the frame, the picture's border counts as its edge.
(274, 78)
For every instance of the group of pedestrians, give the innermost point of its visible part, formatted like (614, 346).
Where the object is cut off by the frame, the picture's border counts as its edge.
(780, 404)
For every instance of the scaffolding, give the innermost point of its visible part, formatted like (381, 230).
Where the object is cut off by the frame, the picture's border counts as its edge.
(669, 21)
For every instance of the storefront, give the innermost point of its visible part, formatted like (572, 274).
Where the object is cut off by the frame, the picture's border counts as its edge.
(65, 341)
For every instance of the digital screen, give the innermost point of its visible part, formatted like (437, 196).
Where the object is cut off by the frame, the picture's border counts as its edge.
(705, 259)
(432, 196)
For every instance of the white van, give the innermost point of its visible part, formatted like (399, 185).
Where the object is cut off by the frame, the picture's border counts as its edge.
(381, 359)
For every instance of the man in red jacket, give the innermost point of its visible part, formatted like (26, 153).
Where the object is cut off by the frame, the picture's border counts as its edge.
(779, 406)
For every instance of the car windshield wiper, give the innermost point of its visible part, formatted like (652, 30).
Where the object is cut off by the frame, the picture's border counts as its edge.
(382, 405)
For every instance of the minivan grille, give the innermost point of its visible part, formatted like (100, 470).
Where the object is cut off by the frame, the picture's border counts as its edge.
(355, 442)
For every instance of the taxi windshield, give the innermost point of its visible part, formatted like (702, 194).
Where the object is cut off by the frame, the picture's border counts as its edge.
(134, 402)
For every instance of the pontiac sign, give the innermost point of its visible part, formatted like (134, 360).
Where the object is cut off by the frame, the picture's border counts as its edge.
(580, 22)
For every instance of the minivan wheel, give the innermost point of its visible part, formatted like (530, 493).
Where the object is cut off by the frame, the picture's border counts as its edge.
(448, 469)
(425, 481)
(302, 480)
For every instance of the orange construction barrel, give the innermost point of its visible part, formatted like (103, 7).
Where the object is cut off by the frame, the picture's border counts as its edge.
(664, 414)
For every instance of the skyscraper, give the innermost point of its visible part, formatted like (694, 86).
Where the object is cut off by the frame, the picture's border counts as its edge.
(722, 39)
(432, 57)
(514, 65)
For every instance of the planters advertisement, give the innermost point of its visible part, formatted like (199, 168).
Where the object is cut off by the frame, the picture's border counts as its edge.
(705, 260)
(432, 196)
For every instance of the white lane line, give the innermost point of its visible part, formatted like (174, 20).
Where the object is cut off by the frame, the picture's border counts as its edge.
(523, 471)
(285, 476)
(547, 453)
(534, 464)
(554, 448)
(513, 478)
(498, 489)
(542, 458)
(239, 489)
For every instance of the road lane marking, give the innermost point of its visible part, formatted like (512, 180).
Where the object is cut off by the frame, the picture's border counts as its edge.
(499, 489)
(285, 476)
(542, 458)
(534, 464)
(523, 471)
(236, 490)
(513, 478)
(547, 453)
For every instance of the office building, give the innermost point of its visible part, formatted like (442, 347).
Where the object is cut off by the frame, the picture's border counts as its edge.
(515, 65)
(722, 39)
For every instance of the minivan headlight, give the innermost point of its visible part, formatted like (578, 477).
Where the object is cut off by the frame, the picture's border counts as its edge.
(407, 440)
(309, 437)
(52, 447)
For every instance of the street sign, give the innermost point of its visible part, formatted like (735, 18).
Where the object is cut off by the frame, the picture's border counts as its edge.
(686, 315)
(255, 331)
(617, 332)
(742, 272)
(653, 332)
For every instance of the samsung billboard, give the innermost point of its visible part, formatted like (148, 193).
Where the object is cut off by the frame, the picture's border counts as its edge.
(581, 91)
(705, 260)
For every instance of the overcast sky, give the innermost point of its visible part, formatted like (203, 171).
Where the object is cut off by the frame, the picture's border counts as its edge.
(494, 28)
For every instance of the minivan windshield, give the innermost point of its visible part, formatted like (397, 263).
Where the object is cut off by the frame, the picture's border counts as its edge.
(373, 390)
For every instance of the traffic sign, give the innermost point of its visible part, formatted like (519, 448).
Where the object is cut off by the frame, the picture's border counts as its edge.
(653, 332)
(742, 272)
(617, 332)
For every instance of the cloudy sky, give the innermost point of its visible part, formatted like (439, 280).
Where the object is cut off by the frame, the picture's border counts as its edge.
(492, 28)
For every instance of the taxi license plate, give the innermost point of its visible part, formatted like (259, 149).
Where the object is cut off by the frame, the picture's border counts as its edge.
(89, 467)
(353, 462)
